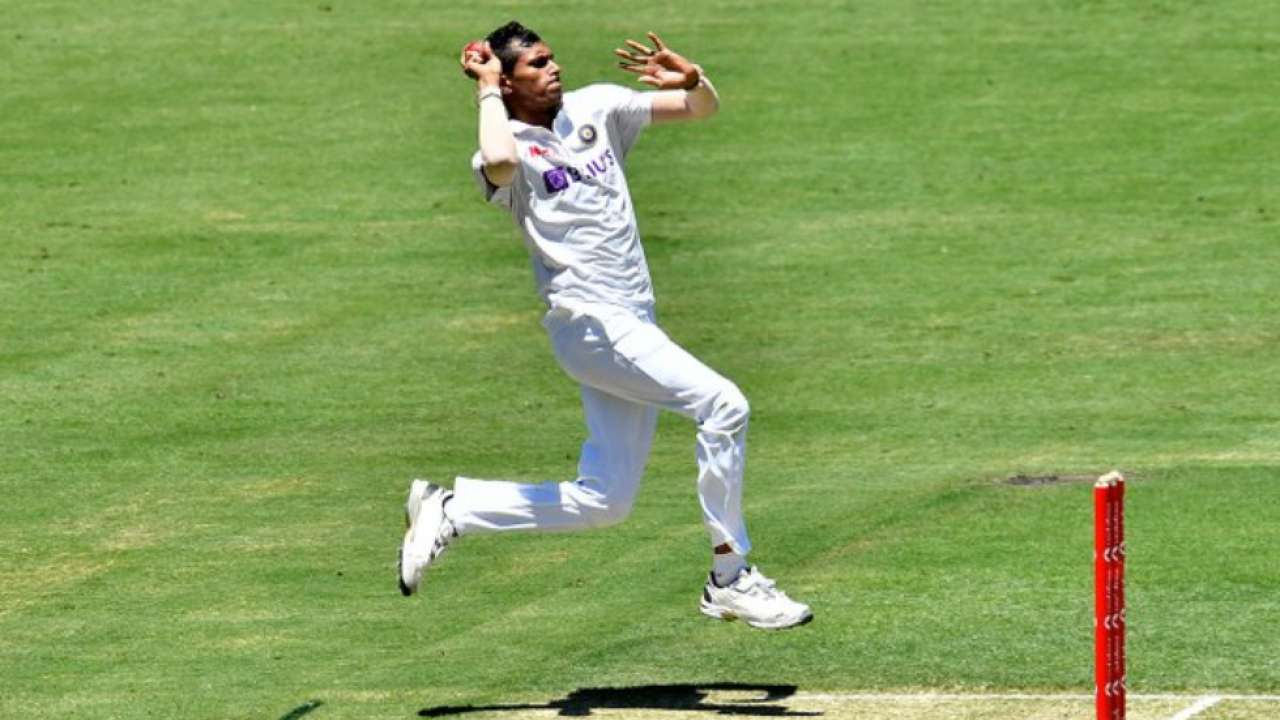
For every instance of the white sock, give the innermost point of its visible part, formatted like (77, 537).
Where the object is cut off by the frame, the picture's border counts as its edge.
(725, 567)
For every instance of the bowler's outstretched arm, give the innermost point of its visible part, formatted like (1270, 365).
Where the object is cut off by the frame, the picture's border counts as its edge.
(684, 91)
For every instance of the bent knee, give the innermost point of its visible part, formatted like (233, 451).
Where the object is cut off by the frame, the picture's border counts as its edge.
(600, 508)
(730, 411)
(606, 515)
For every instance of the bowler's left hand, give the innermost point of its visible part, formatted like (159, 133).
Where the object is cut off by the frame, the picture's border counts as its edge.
(659, 66)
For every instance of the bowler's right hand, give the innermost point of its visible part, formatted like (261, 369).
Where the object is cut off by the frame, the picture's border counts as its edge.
(485, 72)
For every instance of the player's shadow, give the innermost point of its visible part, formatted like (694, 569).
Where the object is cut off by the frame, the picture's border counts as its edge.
(759, 700)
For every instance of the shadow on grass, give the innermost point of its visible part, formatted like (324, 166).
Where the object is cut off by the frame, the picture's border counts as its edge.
(302, 709)
(581, 702)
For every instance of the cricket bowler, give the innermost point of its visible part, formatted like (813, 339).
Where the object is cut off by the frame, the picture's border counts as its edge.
(555, 161)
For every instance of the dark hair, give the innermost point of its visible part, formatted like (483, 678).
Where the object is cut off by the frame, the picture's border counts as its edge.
(508, 43)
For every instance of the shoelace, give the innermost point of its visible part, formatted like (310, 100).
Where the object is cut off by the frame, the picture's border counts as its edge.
(442, 538)
(756, 579)
(444, 534)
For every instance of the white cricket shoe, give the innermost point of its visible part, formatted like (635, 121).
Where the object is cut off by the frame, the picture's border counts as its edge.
(754, 598)
(428, 532)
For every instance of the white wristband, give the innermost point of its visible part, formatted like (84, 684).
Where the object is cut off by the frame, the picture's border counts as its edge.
(489, 92)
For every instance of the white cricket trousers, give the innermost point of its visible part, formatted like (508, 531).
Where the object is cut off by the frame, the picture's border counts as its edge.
(628, 369)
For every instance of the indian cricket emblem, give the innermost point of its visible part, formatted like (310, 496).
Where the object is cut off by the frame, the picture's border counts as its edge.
(587, 134)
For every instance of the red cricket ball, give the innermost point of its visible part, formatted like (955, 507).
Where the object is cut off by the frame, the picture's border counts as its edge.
(478, 47)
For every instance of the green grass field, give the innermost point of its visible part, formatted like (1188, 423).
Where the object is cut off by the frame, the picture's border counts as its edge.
(248, 290)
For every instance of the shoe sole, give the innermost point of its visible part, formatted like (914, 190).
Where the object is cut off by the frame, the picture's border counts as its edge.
(411, 507)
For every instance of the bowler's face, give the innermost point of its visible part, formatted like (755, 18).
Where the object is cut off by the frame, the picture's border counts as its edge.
(535, 80)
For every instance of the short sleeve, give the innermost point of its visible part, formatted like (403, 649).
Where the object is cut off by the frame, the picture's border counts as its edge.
(493, 194)
(629, 112)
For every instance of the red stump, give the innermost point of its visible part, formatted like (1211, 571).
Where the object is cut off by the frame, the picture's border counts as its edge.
(1109, 608)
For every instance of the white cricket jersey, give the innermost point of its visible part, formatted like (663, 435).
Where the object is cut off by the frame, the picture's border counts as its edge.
(570, 199)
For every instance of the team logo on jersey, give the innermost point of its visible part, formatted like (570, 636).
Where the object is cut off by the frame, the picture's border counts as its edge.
(558, 178)
(547, 153)
(587, 134)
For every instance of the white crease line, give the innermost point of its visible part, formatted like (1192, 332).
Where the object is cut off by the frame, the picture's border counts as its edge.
(962, 697)
(1200, 706)
(936, 697)
(1219, 696)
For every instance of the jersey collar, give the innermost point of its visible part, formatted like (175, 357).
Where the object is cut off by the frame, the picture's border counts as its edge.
(562, 126)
